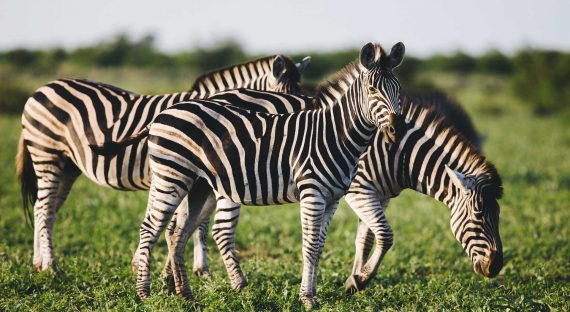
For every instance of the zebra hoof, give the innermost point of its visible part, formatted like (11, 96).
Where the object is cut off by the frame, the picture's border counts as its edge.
(186, 294)
(237, 287)
(202, 273)
(353, 285)
(168, 283)
(143, 293)
(310, 303)
(50, 269)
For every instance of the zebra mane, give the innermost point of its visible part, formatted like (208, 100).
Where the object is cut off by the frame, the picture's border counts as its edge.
(339, 82)
(436, 126)
(290, 69)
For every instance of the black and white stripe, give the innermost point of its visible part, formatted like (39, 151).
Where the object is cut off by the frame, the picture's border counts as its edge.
(264, 159)
(63, 118)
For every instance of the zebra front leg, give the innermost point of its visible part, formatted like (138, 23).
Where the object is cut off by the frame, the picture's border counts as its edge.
(370, 210)
(327, 217)
(223, 232)
(363, 243)
(164, 197)
(313, 206)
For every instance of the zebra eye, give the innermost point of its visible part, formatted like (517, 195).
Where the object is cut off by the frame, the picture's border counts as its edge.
(372, 90)
(478, 213)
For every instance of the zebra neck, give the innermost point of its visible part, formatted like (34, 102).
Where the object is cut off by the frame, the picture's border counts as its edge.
(421, 161)
(343, 120)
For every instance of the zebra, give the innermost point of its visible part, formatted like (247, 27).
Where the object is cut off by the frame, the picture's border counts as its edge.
(263, 159)
(223, 232)
(64, 117)
(430, 146)
(435, 159)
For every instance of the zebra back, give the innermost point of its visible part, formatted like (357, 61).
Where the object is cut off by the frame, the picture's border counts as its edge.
(272, 73)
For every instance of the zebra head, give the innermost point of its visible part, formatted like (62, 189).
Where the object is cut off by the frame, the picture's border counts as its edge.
(381, 86)
(475, 217)
(286, 75)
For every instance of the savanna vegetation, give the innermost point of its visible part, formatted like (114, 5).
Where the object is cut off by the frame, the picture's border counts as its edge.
(518, 102)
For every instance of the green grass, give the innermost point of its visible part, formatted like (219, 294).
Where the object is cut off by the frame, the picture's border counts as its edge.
(97, 231)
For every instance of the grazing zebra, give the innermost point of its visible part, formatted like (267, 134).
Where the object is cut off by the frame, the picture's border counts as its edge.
(64, 117)
(263, 159)
(223, 232)
(433, 158)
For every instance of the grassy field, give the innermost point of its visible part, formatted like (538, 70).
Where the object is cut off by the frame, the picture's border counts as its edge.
(97, 231)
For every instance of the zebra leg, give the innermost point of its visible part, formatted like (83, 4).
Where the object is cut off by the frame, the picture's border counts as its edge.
(313, 206)
(181, 217)
(166, 274)
(55, 179)
(165, 195)
(190, 216)
(327, 217)
(200, 266)
(363, 242)
(223, 232)
(370, 210)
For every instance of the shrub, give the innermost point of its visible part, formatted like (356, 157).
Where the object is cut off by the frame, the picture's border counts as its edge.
(541, 79)
(13, 96)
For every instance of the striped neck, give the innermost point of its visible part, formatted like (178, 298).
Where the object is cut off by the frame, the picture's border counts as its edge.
(427, 146)
(344, 119)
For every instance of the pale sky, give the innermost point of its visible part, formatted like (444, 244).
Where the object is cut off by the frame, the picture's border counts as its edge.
(267, 26)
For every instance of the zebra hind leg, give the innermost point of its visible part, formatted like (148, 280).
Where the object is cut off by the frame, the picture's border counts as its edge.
(165, 195)
(223, 232)
(166, 275)
(200, 265)
(190, 214)
(54, 179)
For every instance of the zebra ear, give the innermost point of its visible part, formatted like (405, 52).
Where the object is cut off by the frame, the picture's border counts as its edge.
(303, 64)
(461, 181)
(278, 66)
(369, 54)
(397, 55)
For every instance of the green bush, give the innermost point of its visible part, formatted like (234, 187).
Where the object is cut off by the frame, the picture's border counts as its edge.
(541, 79)
(13, 96)
(494, 62)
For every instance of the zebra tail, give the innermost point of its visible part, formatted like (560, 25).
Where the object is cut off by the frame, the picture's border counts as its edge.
(28, 180)
(113, 148)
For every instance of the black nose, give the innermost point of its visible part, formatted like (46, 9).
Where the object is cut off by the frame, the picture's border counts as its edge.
(496, 264)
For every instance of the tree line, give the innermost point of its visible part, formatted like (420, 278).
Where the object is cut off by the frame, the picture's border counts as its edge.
(540, 78)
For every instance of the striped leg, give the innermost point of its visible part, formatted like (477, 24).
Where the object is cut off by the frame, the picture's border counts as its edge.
(199, 207)
(166, 194)
(55, 178)
(327, 217)
(313, 211)
(166, 275)
(186, 224)
(370, 209)
(200, 266)
(363, 243)
(223, 232)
